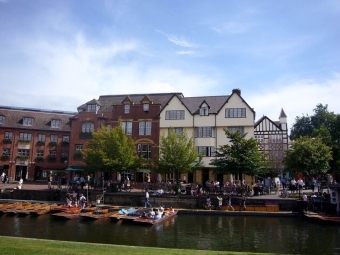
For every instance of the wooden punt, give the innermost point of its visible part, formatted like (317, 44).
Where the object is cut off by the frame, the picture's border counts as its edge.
(34, 207)
(6, 206)
(101, 212)
(71, 214)
(151, 221)
(43, 210)
(131, 215)
(323, 218)
(12, 210)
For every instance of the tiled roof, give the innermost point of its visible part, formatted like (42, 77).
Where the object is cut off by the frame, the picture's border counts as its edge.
(107, 101)
(42, 118)
(215, 103)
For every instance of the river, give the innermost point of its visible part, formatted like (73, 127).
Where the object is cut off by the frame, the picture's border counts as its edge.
(204, 232)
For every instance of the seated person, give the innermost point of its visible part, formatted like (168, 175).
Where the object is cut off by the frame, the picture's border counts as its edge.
(158, 215)
(151, 214)
(159, 192)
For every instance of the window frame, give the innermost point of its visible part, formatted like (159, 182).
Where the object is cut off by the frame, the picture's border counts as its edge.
(79, 147)
(66, 139)
(55, 123)
(27, 121)
(205, 132)
(235, 113)
(175, 115)
(204, 111)
(91, 107)
(144, 127)
(144, 149)
(8, 135)
(25, 136)
(41, 137)
(2, 119)
(87, 127)
(40, 153)
(54, 138)
(127, 108)
(146, 107)
(23, 152)
(6, 151)
(235, 129)
(209, 151)
(127, 127)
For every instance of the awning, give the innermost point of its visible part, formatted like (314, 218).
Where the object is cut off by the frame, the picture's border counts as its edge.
(144, 170)
(75, 168)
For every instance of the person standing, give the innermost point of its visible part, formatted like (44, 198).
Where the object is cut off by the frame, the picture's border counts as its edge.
(229, 202)
(313, 184)
(284, 183)
(304, 202)
(243, 203)
(293, 185)
(147, 202)
(49, 181)
(82, 201)
(208, 203)
(220, 202)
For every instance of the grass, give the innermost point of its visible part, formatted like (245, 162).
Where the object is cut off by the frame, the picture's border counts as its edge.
(27, 246)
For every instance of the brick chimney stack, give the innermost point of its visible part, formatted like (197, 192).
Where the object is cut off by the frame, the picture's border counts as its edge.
(238, 91)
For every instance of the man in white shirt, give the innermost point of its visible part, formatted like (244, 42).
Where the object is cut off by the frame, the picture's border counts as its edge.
(304, 202)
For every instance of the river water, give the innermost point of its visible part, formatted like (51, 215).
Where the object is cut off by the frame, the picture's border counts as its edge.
(204, 232)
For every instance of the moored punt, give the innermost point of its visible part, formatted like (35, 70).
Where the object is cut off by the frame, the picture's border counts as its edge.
(70, 214)
(43, 210)
(6, 206)
(101, 212)
(32, 208)
(13, 209)
(323, 218)
(130, 216)
(152, 221)
(122, 212)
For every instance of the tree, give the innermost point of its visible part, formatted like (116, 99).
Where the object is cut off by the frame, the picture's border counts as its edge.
(240, 156)
(309, 156)
(323, 124)
(178, 154)
(111, 151)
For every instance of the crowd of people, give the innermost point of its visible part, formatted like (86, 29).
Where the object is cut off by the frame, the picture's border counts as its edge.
(75, 199)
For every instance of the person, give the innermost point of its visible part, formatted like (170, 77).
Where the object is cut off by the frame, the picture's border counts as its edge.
(243, 202)
(3, 177)
(304, 202)
(293, 185)
(159, 192)
(82, 201)
(300, 184)
(82, 182)
(49, 181)
(74, 198)
(220, 201)
(313, 184)
(19, 185)
(208, 203)
(229, 202)
(158, 214)
(147, 202)
(68, 200)
(277, 187)
(284, 183)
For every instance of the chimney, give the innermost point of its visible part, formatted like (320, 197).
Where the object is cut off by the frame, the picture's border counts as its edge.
(238, 91)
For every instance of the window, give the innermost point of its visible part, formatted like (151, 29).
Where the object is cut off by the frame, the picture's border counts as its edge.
(87, 128)
(204, 111)
(55, 123)
(25, 137)
(276, 138)
(53, 154)
(41, 138)
(6, 152)
(144, 150)
(79, 147)
(177, 130)
(40, 153)
(126, 108)
(109, 128)
(8, 135)
(23, 153)
(235, 129)
(259, 138)
(235, 112)
(146, 107)
(64, 154)
(54, 138)
(127, 127)
(28, 121)
(206, 151)
(204, 132)
(174, 115)
(2, 119)
(145, 128)
(91, 108)
(66, 139)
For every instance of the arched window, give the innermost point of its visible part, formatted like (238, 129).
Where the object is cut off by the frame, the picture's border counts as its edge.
(87, 128)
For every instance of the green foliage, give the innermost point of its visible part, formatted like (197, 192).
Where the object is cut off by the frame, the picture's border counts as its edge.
(308, 156)
(111, 151)
(178, 154)
(322, 124)
(240, 156)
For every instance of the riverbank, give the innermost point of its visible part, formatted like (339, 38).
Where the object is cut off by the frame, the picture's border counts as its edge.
(27, 246)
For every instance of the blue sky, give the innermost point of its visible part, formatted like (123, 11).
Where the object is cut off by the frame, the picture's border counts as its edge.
(281, 54)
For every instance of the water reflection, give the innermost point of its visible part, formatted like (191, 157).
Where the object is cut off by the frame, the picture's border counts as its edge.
(256, 234)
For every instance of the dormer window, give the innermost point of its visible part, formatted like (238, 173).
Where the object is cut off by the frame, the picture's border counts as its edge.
(55, 123)
(91, 108)
(28, 121)
(204, 111)
(146, 107)
(126, 108)
(2, 119)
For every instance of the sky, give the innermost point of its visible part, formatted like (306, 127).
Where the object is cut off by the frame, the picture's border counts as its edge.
(61, 54)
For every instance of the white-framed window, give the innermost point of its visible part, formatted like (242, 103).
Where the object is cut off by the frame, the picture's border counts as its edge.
(6, 152)
(177, 130)
(145, 128)
(66, 138)
(28, 121)
(276, 138)
(40, 153)
(54, 138)
(55, 123)
(25, 136)
(87, 127)
(144, 150)
(23, 153)
(2, 119)
(174, 115)
(79, 147)
(53, 154)
(146, 107)
(206, 151)
(127, 127)
(126, 108)
(41, 138)
(235, 112)
(235, 129)
(8, 135)
(204, 111)
(205, 132)
(259, 138)
(64, 154)
(91, 108)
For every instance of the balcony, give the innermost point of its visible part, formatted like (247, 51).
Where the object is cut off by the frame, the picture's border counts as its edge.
(7, 141)
(4, 158)
(84, 135)
(41, 143)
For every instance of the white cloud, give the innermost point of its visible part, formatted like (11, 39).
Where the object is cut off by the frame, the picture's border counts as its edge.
(188, 52)
(179, 41)
(233, 28)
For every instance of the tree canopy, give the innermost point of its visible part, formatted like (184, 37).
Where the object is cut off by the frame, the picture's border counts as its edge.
(177, 154)
(309, 156)
(111, 151)
(240, 156)
(323, 124)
